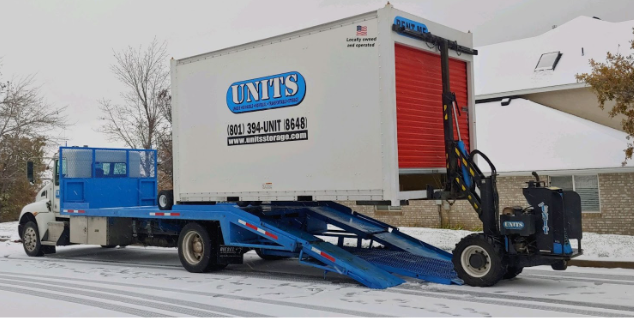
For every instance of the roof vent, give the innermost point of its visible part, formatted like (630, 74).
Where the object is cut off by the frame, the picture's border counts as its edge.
(548, 61)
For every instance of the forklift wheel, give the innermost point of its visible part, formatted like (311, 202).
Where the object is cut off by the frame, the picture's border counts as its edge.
(512, 272)
(560, 265)
(166, 199)
(477, 260)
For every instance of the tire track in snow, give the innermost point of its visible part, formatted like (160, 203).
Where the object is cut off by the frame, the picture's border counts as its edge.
(82, 301)
(567, 310)
(521, 298)
(140, 302)
(580, 279)
(308, 278)
(216, 295)
(582, 275)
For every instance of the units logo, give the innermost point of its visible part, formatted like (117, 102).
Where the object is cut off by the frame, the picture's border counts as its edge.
(409, 24)
(275, 91)
(513, 225)
(544, 217)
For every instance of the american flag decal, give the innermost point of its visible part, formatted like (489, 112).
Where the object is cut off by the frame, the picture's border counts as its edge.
(362, 30)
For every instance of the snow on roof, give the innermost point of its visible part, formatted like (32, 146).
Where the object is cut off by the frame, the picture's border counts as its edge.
(509, 67)
(525, 136)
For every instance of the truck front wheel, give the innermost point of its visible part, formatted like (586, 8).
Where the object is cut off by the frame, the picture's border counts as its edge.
(31, 240)
(198, 253)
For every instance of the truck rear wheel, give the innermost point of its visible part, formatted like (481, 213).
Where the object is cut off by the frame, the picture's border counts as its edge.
(31, 240)
(477, 260)
(198, 253)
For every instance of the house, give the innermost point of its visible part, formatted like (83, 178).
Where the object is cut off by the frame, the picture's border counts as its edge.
(552, 123)
(531, 114)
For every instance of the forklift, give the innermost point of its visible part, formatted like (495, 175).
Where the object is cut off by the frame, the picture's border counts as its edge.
(519, 237)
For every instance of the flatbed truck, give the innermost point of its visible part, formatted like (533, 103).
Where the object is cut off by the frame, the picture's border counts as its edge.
(267, 136)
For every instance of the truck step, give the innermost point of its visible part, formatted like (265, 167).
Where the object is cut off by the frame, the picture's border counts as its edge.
(55, 231)
(49, 243)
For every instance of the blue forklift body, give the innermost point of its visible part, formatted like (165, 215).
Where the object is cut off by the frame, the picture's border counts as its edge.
(122, 183)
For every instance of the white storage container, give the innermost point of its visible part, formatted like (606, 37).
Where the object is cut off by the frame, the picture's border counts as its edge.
(334, 112)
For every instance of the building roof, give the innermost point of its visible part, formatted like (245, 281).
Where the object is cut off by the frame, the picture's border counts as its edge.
(508, 68)
(525, 136)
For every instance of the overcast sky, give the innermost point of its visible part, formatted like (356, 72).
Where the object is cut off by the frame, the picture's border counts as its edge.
(69, 44)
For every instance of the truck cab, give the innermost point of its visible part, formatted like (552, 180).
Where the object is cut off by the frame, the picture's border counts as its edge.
(95, 178)
(44, 209)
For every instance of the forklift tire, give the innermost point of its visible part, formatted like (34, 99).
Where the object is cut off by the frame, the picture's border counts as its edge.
(269, 257)
(196, 250)
(166, 199)
(560, 265)
(512, 272)
(477, 260)
(31, 240)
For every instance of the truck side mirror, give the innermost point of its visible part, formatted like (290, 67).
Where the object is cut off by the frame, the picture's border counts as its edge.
(29, 172)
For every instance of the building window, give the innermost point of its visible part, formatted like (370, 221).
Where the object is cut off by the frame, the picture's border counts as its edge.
(387, 208)
(587, 186)
(548, 61)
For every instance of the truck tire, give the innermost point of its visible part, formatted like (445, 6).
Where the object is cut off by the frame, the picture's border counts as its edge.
(108, 246)
(560, 265)
(477, 260)
(269, 257)
(31, 240)
(165, 199)
(198, 253)
(512, 272)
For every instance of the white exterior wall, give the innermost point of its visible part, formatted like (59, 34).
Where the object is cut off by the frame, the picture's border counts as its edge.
(349, 105)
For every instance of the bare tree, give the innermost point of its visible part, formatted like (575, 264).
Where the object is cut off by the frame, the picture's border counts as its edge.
(27, 123)
(165, 142)
(137, 120)
(24, 113)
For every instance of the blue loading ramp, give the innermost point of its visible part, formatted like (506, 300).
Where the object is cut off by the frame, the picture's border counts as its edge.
(398, 252)
(293, 229)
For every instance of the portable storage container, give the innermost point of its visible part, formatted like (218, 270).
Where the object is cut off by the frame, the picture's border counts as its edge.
(348, 110)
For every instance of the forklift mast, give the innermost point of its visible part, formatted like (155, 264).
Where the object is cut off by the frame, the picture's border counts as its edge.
(463, 175)
(537, 235)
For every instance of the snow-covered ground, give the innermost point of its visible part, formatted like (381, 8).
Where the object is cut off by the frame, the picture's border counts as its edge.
(135, 281)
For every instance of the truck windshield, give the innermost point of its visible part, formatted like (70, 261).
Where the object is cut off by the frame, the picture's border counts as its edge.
(110, 169)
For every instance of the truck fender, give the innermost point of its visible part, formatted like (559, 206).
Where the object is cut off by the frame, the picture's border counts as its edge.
(38, 213)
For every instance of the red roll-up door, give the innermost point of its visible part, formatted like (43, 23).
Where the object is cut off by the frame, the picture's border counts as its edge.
(419, 107)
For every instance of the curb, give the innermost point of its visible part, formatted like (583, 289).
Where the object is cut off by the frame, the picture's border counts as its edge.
(600, 264)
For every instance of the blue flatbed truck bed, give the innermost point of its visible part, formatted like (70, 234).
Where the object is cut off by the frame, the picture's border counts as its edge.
(380, 254)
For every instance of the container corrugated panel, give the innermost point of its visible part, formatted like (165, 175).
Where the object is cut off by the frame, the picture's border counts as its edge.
(419, 107)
